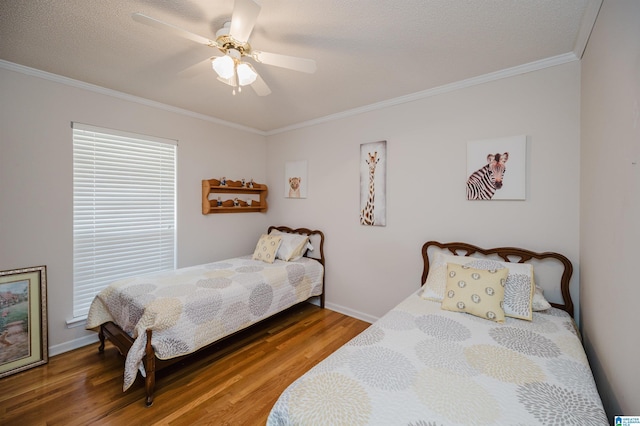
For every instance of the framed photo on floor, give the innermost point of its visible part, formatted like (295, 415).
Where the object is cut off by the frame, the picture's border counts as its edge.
(23, 319)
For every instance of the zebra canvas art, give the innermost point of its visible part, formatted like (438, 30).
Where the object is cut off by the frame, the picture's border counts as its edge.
(496, 169)
(484, 182)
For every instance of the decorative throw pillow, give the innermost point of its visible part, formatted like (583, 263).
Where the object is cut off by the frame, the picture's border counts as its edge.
(477, 292)
(267, 247)
(292, 247)
(519, 289)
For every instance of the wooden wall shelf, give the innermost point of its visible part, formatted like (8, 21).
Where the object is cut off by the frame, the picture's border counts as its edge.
(229, 192)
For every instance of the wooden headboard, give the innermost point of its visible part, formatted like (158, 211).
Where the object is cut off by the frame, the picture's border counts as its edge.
(316, 238)
(508, 254)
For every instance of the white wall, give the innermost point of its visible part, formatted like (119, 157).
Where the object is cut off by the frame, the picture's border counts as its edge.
(36, 204)
(610, 204)
(370, 269)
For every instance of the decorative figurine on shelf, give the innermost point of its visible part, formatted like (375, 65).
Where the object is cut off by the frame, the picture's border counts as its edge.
(223, 181)
(243, 182)
(219, 201)
(235, 202)
(251, 183)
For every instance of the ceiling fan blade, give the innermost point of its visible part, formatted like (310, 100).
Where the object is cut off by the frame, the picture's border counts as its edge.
(230, 81)
(197, 68)
(260, 87)
(152, 22)
(243, 19)
(284, 61)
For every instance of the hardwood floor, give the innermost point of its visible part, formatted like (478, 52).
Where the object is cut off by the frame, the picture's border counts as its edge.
(235, 383)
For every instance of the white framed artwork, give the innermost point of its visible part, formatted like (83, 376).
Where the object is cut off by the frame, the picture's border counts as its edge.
(496, 168)
(295, 179)
(373, 183)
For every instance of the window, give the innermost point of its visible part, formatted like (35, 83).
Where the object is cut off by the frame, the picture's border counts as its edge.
(124, 209)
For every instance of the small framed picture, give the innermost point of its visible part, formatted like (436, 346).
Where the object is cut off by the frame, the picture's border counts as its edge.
(23, 319)
(295, 179)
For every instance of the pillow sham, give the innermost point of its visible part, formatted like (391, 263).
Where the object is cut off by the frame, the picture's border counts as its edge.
(478, 292)
(292, 247)
(519, 289)
(267, 247)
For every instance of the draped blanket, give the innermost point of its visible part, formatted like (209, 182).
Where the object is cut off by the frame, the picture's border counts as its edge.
(192, 307)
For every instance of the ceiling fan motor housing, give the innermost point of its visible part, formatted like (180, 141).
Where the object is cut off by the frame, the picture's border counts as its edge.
(227, 43)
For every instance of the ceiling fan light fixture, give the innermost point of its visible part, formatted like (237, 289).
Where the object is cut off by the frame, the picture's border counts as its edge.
(224, 66)
(246, 74)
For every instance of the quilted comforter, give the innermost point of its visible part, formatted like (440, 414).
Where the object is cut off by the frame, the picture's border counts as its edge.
(420, 365)
(191, 307)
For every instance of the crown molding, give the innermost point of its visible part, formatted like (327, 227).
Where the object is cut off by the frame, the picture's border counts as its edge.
(586, 27)
(120, 95)
(498, 75)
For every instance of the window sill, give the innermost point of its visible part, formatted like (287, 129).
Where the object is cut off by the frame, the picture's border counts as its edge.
(77, 322)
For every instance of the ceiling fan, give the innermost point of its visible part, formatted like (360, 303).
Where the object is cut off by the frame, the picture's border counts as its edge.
(233, 41)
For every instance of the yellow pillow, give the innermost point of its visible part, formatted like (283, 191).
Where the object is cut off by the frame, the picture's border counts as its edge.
(267, 247)
(477, 292)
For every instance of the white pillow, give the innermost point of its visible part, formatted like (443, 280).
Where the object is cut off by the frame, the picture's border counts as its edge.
(539, 302)
(292, 247)
(434, 286)
(519, 288)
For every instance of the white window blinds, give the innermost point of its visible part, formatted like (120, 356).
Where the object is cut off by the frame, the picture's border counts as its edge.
(124, 209)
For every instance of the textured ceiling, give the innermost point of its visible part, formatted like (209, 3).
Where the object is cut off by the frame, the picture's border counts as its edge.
(366, 51)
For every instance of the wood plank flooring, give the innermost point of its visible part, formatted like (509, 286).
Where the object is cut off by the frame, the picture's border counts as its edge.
(234, 383)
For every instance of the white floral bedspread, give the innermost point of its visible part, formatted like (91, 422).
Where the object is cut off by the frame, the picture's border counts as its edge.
(420, 365)
(191, 307)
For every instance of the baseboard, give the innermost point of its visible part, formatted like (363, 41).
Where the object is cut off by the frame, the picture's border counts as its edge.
(352, 313)
(73, 344)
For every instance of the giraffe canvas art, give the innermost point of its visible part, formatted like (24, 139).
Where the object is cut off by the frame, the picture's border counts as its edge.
(373, 164)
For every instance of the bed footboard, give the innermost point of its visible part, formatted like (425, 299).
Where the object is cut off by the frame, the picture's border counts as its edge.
(123, 342)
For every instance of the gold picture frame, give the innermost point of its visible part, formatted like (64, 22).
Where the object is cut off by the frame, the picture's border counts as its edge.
(23, 319)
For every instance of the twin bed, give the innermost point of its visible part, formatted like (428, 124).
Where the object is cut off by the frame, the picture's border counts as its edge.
(157, 319)
(424, 363)
(448, 354)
